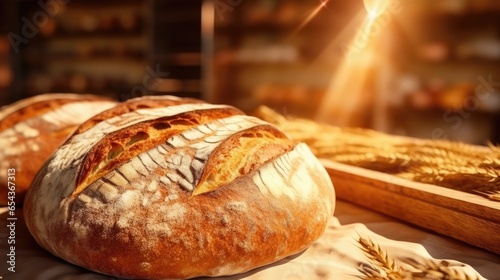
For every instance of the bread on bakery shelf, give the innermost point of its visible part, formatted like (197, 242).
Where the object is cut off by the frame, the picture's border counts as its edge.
(180, 191)
(33, 128)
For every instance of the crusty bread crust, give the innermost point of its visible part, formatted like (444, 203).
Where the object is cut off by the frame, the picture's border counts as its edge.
(220, 194)
(33, 128)
(130, 105)
(124, 144)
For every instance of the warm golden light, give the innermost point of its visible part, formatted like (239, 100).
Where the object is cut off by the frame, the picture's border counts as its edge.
(350, 97)
(375, 8)
(348, 86)
(309, 17)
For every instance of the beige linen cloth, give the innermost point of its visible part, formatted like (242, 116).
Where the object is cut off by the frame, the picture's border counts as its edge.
(348, 251)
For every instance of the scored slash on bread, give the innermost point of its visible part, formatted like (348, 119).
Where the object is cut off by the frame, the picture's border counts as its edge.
(239, 155)
(179, 191)
(120, 146)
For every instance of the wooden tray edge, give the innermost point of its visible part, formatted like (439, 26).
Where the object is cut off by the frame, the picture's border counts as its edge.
(464, 216)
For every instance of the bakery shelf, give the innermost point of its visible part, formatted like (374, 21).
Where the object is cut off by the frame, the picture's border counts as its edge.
(100, 3)
(95, 34)
(84, 59)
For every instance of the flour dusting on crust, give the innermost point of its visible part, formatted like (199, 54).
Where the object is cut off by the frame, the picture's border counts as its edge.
(146, 207)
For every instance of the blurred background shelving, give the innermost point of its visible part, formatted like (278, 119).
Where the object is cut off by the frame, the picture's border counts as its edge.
(434, 54)
(119, 49)
(263, 56)
(447, 71)
(422, 74)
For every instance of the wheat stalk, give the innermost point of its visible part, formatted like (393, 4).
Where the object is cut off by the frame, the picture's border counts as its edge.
(448, 164)
(437, 270)
(378, 257)
(491, 195)
(382, 266)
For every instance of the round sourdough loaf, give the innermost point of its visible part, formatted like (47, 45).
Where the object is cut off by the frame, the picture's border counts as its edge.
(161, 187)
(33, 128)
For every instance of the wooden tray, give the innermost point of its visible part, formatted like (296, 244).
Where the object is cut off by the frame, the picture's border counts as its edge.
(467, 217)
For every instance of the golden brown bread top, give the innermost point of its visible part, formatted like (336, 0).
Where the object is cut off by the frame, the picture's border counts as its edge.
(146, 102)
(177, 192)
(120, 146)
(239, 155)
(92, 147)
